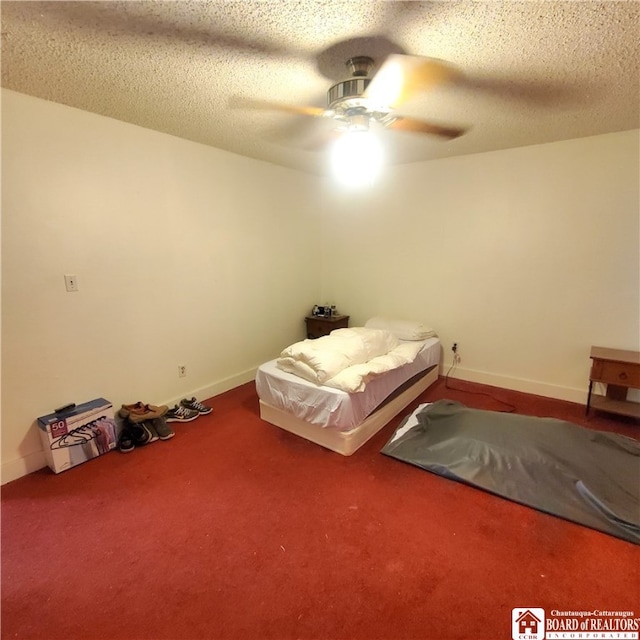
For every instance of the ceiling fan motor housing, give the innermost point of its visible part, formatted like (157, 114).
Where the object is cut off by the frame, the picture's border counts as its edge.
(346, 100)
(347, 94)
(349, 106)
(351, 89)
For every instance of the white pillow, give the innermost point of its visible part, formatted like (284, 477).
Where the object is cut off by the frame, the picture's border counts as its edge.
(402, 329)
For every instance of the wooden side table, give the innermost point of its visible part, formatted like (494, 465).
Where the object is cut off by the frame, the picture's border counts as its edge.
(318, 326)
(620, 371)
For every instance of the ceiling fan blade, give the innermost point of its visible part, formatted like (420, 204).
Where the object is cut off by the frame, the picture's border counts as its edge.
(162, 22)
(249, 103)
(302, 132)
(420, 126)
(322, 140)
(541, 93)
(401, 77)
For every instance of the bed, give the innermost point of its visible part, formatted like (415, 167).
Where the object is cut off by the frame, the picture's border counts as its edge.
(340, 420)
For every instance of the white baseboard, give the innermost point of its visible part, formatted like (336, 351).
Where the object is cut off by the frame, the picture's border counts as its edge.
(14, 469)
(217, 388)
(534, 387)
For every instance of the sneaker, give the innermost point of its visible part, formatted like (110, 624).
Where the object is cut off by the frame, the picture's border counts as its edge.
(194, 405)
(181, 414)
(164, 431)
(139, 433)
(125, 441)
(140, 412)
(152, 434)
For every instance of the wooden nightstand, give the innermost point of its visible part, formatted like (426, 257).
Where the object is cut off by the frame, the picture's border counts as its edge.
(317, 326)
(620, 371)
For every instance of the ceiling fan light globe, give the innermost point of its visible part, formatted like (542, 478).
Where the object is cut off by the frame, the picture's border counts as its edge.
(356, 159)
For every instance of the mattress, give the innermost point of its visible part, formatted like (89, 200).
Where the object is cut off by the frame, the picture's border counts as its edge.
(326, 407)
(586, 476)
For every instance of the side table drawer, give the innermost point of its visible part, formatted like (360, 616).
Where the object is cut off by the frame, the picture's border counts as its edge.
(620, 373)
(316, 328)
(319, 326)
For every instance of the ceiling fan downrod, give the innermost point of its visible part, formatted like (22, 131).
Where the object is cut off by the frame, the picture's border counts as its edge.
(360, 66)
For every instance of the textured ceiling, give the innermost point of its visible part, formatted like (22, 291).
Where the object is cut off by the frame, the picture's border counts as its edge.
(533, 72)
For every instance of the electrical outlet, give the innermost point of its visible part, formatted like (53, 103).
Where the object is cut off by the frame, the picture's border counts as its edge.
(182, 370)
(71, 283)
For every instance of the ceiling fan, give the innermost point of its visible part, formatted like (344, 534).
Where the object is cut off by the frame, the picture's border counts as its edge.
(357, 102)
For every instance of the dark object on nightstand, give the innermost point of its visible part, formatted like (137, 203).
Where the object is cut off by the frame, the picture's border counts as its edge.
(318, 326)
(620, 371)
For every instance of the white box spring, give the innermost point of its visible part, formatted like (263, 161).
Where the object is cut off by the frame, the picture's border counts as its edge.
(326, 407)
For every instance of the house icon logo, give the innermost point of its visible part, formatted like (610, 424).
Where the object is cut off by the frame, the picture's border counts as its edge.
(527, 623)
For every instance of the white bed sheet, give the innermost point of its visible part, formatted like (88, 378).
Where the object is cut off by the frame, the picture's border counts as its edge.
(328, 407)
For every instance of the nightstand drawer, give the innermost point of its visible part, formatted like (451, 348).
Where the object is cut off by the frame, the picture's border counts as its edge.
(318, 326)
(315, 328)
(621, 373)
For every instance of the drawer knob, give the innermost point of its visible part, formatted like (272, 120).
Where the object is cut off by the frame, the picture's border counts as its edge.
(622, 376)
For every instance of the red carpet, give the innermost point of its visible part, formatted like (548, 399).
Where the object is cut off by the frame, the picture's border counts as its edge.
(236, 529)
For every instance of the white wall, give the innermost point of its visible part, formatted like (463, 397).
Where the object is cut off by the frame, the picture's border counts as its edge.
(184, 255)
(525, 257)
(190, 255)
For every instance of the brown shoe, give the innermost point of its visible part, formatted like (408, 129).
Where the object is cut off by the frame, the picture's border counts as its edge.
(140, 412)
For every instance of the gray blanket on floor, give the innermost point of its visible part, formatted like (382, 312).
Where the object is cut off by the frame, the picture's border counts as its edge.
(586, 476)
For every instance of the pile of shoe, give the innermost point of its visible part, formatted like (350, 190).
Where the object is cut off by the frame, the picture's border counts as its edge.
(143, 424)
(146, 423)
(187, 410)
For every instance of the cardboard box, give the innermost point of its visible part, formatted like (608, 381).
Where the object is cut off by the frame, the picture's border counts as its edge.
(73, 437)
